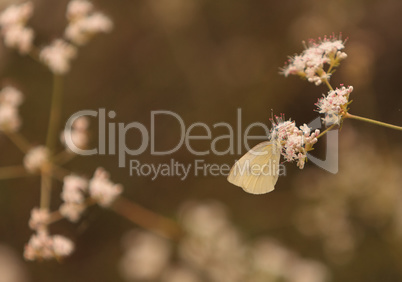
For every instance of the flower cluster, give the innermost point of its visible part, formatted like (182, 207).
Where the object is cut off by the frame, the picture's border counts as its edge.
(58, 55)
(73, 196)
(42, 246)
(39, 219)
(294, 142)
(102, 190)
(334, 104)
(310, 63)
(13, 27)
(10, 100)
(75, 188)
(84, 22)
(36, 158)
(78, 192)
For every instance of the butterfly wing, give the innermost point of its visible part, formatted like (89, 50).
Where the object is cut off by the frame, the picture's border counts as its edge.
(258, 170)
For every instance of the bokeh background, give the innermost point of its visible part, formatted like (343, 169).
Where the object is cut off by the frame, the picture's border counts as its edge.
(203, 60)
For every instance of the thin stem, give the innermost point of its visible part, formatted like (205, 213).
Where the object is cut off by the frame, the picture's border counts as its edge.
(348, 115)
(326, 130)
(19, 141)
(55, 113)
(52, 133)
(328, 84)
(330, 68)
(46, 189)
(54, 217)
(146, 218)
(63, 157)
(13, 172)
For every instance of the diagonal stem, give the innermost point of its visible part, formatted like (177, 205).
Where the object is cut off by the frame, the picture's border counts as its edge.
(348, 115)
(63, 157)
(146, 218)
(46, 189)
(326, 130)
(51, 139)
(10, 172)
(328, 84)
(19, 141)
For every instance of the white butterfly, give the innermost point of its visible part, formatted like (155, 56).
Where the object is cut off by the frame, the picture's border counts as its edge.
(258, 170)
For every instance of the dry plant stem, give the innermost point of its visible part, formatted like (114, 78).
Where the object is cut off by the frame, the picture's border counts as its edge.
(54, 217)
(326, 130)
(46, 187)
(328, 84)
(55, 113)
(330, 68)
(13, 172)
(63, 157)
(146, 218)
(52, 133)
(19, 141)
(347, 115)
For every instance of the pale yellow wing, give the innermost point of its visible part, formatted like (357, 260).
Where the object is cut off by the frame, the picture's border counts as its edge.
(258, 170)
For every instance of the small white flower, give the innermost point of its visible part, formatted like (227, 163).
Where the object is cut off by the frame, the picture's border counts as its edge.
(97, 23)
(62, 246)
(19, 37)
(72, 211)
(39, 246)
(39, 219)
(9, 118)
(269, 256)
(42, 246)
(16, 14)
(73, 189)
(12, 22)
(36, 158)
(73, 196)
(332, 104)
(102, 190)
(58, 55)
(146, 256)
(84, 23)
(78, 9)
(10, 100)
(310, 63)
(11, 96)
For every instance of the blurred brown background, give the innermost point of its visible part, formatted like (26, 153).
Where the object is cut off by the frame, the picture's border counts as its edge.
(203, 60)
